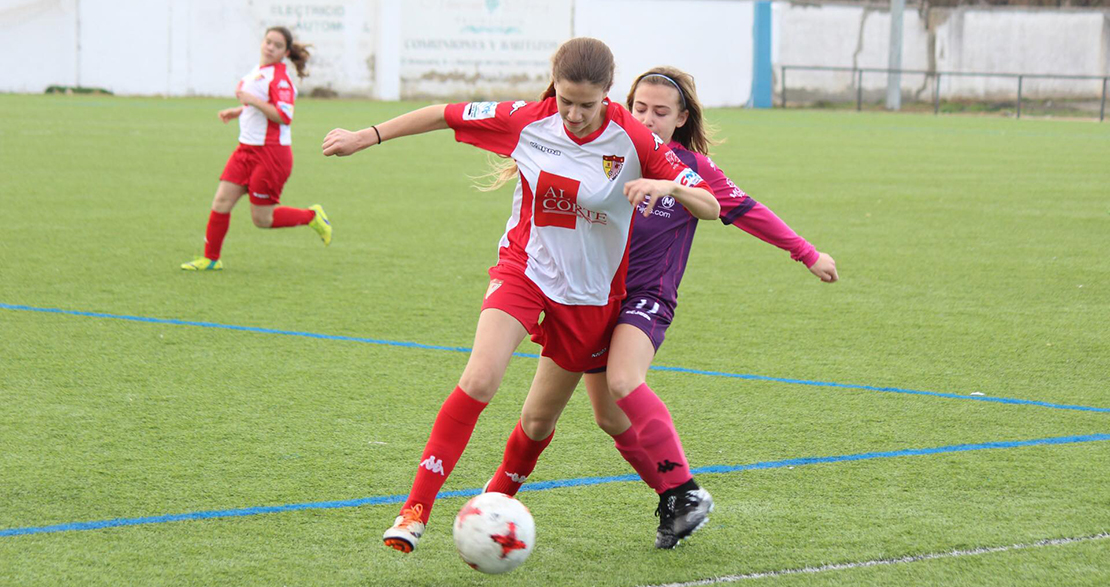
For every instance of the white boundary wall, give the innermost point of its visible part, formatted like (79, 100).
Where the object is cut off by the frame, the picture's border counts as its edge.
(440, 49)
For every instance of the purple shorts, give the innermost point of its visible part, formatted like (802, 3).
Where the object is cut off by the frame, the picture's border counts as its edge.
(648, 313)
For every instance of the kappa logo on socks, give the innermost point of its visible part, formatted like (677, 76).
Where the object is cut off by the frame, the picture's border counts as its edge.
(435, 465)
(666, 466)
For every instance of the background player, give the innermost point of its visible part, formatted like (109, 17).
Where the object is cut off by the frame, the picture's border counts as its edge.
(581, 161)
(264, 159)
(664, 100)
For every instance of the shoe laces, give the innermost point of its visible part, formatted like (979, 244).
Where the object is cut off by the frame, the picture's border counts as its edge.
(413, 514)
(665, 509)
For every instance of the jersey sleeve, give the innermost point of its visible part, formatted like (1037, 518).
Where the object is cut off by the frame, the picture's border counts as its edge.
(493, 126)
(282, 96)
(734, 202)
(739, 209)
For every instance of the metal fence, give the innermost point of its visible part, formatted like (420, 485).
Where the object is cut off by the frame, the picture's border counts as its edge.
(858, 73)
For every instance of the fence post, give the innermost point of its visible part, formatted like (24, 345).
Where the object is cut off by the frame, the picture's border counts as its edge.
(859, 90)
(1102, 106)
(936, 94)
(784, 87)
(1019, 98)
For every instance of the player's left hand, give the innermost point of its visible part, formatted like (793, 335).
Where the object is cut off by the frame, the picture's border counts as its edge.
(825, 268)
(647, 191)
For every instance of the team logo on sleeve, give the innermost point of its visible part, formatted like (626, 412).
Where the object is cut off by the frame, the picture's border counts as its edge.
(517, 106)
(612, 166)
(479, 110)
(673, 159)
(689, 178)
(658, 141)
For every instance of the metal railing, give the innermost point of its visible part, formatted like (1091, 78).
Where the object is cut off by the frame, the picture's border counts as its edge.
(857, 74)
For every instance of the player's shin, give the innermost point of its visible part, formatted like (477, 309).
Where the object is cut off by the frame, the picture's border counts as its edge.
(521, 455)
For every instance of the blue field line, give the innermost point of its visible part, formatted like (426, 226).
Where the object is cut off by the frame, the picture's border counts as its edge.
(981, 398)
(543, 485)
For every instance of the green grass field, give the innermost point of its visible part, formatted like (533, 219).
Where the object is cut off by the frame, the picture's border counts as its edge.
(973, 260)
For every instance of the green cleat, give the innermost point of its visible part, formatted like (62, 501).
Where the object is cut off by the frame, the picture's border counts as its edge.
(320, 224)
(203, 264)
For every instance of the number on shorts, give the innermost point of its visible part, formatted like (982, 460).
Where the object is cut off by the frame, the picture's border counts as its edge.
(643, 302)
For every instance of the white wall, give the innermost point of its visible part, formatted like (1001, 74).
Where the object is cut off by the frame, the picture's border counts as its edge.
(443, 49)
(38, 44)
(712, 40)
(996, 40)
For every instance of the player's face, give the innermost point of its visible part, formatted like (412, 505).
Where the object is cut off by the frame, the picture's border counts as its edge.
(580, 105)
(273, 48)
(659, 107)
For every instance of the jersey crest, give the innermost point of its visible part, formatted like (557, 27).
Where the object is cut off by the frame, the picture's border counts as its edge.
(612, 166)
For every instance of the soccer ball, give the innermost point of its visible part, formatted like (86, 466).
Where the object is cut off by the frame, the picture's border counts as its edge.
(494, 533)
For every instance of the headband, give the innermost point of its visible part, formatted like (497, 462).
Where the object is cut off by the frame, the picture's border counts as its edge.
(673, 83)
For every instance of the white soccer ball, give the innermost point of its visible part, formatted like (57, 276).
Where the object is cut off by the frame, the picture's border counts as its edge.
(494, 533)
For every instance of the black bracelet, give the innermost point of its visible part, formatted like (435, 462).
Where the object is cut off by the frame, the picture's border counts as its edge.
(377, 133)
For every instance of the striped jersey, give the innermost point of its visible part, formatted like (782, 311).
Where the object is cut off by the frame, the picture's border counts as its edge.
(272, 84)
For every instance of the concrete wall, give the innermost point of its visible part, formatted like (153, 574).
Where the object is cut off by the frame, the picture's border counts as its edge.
(390, 49)
(995, 40)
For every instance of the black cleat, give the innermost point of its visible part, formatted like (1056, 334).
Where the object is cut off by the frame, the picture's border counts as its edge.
(682, 511)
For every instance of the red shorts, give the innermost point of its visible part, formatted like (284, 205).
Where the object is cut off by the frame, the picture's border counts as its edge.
(575, 337)
(263, 169)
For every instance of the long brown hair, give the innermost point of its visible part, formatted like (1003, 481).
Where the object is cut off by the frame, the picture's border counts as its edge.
(695, 135)
(579, 60)
(298, 53)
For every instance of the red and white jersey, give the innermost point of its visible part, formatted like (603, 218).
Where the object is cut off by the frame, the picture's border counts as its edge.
(271, 83)
(570, 225)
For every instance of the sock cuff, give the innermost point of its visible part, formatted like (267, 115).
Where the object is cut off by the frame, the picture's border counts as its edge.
(521, 436)
(641, 401)
(463, 407)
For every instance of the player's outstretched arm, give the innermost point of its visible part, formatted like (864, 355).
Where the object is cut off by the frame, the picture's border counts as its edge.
(343, 142)
(700, 202)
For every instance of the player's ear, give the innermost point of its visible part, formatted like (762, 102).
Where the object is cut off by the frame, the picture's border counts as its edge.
(682, 118)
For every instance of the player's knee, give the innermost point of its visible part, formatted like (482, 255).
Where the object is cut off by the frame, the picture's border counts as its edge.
(262, 219)
(480, 383)
(612, 425)
(622, 383)
(537, 426)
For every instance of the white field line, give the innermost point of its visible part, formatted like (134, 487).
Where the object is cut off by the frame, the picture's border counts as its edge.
(889, 561)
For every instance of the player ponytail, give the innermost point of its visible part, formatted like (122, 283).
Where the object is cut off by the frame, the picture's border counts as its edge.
(298, 53)
(579, 60)
(695, 135)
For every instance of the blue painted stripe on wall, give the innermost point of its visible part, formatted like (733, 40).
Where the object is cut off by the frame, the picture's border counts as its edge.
(762, 72)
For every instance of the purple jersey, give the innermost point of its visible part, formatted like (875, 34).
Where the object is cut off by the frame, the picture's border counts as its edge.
(661, 242)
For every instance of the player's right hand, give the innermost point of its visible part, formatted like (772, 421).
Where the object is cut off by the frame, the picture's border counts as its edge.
(342, 142)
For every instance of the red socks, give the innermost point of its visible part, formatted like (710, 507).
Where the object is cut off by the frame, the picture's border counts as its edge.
(214, 235)
(450, 434)
(521, 454)
(629, 448)
(285, 216)
(656, 436)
